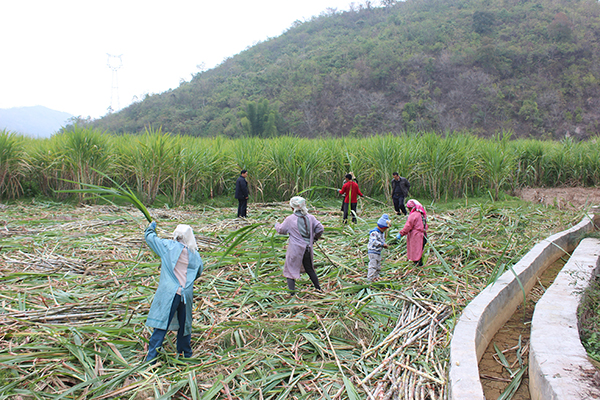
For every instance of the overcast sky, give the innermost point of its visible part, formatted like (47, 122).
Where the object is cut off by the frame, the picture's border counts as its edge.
(55, 52)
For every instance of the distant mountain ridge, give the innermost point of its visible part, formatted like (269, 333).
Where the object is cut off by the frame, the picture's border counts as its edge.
(35, 121)
(529, 67)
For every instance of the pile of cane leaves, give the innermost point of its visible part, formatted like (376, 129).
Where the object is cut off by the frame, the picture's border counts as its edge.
(76, 285)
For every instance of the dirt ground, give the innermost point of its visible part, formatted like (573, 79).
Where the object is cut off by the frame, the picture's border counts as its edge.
(577, 197)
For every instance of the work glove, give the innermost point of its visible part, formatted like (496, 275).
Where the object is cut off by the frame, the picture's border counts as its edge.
(153, 225)
(399, 237)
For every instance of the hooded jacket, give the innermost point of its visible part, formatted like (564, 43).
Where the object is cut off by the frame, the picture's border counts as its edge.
(169, 251)
(297, 244)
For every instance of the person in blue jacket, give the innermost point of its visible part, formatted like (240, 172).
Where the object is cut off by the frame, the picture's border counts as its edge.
(376, 245)
(180, 266)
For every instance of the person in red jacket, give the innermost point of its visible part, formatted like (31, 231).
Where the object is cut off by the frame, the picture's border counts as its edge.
(350, 190)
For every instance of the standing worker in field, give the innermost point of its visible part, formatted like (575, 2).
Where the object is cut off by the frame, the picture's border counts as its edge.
(400, 186)
(180, 265)
(415, 231)
(304, 230)
(350, 190)
(355, 180)
(242, 193)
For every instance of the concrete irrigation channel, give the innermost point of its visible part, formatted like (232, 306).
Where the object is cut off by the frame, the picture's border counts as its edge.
(557, 362)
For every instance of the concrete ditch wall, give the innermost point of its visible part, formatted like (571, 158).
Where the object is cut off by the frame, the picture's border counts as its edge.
(558, 364)
(490, 310)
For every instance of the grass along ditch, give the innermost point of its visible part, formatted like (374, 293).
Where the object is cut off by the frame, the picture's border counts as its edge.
(589, 324)
(76, 285)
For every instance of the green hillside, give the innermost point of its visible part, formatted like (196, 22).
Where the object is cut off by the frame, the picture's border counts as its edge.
(421, 65)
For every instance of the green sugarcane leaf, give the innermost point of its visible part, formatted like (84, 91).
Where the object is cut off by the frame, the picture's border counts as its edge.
(239, 236)
(444, 263)
(193, 385)
(173, 390)
(119, 191)
(503, 359)
(350, 389)
(514, 384)
(317, 343)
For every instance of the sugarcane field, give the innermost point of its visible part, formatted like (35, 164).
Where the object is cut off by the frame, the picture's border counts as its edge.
(78, 278)
(77, 283)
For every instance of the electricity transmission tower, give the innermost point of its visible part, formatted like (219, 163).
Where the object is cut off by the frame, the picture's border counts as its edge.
(114, 63)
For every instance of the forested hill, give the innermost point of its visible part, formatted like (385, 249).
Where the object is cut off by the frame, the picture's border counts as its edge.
(427, 65)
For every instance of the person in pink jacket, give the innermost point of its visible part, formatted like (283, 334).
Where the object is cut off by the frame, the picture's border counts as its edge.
(304, 230)
(415, 231)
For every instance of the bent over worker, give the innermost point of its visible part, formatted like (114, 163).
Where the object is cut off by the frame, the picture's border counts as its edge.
(171, 309)
(376, 245)
(303, 229)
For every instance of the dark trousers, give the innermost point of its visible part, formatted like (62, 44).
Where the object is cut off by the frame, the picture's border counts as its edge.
(420, 262)
(158, 336)
(399, 205)
(310, 270)
(352, 208)
(242, 206)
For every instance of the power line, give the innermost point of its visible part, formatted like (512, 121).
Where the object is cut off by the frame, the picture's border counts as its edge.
(114, 63)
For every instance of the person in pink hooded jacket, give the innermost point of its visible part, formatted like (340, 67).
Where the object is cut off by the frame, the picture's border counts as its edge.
(415, 231)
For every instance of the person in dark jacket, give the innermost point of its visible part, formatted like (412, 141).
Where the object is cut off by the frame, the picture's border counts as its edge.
(400, 186)
(241, 193)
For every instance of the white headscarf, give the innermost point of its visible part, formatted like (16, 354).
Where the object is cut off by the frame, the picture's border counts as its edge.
(299, 204)
(184, 234)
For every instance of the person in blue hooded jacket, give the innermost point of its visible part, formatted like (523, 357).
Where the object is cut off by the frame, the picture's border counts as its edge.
(171, 308)
(376, 244)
